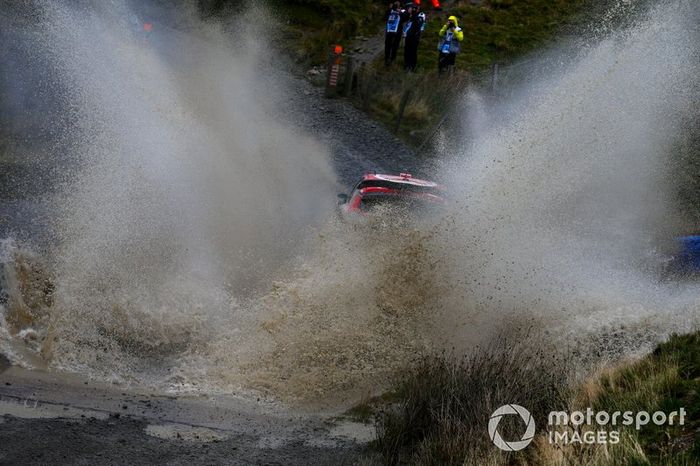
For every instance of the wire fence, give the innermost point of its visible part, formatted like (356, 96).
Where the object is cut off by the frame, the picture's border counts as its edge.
(418, 105)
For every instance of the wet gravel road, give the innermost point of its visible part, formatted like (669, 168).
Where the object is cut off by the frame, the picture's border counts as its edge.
(48, 418)
(358, 145)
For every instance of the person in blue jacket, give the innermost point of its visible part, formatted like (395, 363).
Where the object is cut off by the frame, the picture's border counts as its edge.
(392, 34)
(411, 33)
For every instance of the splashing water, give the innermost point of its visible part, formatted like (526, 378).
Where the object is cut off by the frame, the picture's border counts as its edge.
(184, 259)
(563, 201)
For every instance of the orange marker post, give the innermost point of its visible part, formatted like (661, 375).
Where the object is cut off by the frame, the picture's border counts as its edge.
(334, 61)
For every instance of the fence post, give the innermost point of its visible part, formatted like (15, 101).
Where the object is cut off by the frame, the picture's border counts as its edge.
(494, 77)
(402, 108)
(349, 70)
(365, 86)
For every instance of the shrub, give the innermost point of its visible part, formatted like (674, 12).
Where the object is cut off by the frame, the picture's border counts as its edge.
(446, 401)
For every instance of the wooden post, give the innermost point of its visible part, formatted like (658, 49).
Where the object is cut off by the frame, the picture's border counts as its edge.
(349, 70)
(402, 108)
(366, 89)
(361, 81)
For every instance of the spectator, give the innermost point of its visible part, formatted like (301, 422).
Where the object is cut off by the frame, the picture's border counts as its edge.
(392, 36)
(411, 33)
(450, 37)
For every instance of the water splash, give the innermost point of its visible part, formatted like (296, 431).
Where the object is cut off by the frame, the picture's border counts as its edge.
(189, 199)
(563, 200)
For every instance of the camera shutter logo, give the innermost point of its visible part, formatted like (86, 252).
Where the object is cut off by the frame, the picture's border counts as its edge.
(524, 415)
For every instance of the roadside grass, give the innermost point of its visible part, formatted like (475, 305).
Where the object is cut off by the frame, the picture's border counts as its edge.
(442, 405)
(430, 99)
(445, 403)
(665, 380)
(495, 30)
(499, 30)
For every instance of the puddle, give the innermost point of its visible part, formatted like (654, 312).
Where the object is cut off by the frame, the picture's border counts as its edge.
(35, 409)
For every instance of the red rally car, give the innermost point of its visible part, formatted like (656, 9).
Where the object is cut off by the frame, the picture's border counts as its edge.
(375, 189)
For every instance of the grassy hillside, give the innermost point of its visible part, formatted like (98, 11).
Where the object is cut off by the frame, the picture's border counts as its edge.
(310, 27)
(499, 30)
(494, 29)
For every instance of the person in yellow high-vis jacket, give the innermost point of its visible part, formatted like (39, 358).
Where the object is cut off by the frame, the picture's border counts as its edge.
(450, 37)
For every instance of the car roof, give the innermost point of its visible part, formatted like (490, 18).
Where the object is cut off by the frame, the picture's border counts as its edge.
(403, 178)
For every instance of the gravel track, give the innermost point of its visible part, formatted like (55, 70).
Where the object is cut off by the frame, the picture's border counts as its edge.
(358, 145)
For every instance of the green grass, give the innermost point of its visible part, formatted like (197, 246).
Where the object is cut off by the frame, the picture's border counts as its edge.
(499, 30)
(494, 32)
(306, 29)
(440, 407)
(666, 380)
(310, 27)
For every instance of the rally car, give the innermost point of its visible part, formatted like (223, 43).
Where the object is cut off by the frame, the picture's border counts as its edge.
(402, 190)
(685, 259)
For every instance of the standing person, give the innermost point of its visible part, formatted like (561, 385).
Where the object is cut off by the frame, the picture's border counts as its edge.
(450, 37)
(392, 36)
(411, 33)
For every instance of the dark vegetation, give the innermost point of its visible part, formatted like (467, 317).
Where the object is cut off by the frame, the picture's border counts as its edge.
(309, 27)
(444, 402)
(306, 28)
